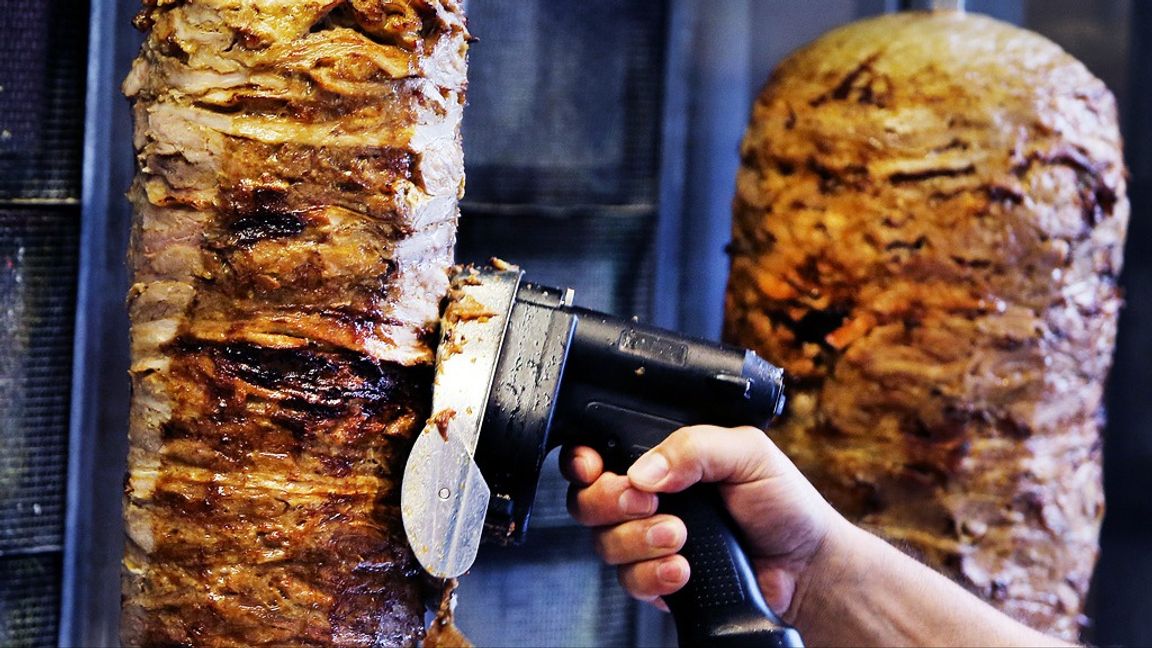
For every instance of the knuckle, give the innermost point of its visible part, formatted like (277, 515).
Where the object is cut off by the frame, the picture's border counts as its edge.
(755, 439)
(595, 504)
(750, 433)
(690, 444)
(600, 545)
(629, 578)
(624, 576)
(686, 451)
(693, 442)
(575, 509)
(614, 545)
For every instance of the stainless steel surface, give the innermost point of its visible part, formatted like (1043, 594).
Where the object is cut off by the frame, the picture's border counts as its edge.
(443, 500)
(443, 497)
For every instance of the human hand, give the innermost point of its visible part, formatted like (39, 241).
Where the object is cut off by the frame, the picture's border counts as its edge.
(784, 521)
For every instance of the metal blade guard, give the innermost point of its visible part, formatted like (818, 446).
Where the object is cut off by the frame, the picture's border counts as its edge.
(443, 497)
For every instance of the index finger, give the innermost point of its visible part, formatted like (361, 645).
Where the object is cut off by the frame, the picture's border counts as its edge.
(581, 465)
(711, 454)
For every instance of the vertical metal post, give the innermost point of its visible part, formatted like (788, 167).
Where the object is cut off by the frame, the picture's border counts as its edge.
(93, 537)
(718, 115)
(681, 25)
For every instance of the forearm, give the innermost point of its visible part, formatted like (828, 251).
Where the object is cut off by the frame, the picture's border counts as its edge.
(862, 591)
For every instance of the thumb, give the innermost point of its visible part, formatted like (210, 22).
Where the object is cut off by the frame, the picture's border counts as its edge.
(710, 454)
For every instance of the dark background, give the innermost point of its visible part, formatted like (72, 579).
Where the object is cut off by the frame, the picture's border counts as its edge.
(601, 150)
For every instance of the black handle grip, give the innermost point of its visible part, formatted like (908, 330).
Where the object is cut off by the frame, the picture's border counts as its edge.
(722, 604)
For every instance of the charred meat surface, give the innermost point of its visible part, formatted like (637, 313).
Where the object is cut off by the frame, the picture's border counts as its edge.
(299, 167)
(929, 222)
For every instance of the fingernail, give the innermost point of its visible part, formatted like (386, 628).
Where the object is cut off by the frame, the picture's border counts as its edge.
(663, 535)
(649, 470)
(634, 502)
(583, 465)
(671, 571)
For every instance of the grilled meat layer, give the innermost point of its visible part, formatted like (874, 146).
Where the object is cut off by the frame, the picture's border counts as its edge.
(299, 167)
(929, 223)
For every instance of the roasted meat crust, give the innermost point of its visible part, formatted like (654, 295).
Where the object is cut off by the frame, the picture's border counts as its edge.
(299, 167)
(929, 223)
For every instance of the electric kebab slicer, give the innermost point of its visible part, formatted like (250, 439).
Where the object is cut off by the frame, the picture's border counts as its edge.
(520, 371)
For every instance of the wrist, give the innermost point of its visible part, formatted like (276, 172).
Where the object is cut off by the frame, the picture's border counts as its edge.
(828, 566)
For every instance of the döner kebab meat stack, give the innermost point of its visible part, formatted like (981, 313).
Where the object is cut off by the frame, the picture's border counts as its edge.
(929, 223)
(299, 167)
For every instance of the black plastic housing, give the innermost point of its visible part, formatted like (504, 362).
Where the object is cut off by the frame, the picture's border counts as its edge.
(569, 375)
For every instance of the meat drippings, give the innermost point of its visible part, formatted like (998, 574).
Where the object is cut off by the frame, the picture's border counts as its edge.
(442, 632)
